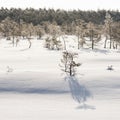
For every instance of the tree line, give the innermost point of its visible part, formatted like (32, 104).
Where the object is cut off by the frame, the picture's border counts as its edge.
(61, 17)
(17, 23)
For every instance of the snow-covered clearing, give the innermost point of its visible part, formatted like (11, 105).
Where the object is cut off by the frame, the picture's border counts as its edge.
(36, 89)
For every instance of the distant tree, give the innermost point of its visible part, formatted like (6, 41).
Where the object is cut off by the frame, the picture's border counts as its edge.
(45, 25)
(64, 41)
(39, 31)
(27, 32)
(10, 29)
(115, 35)
(6, 26)
(53, 43)
(80, 31)
(31, 29)
(68, 63)
(93, 33)
(61, 17)
(54, 30)
(108, 29)
(14, 33)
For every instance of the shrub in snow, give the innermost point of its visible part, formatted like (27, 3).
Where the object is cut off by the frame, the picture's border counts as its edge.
(110, 67)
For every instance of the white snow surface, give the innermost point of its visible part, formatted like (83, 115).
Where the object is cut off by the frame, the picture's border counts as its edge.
(33, 87)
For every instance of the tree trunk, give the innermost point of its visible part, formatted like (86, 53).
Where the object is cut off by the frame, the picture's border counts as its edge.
(64, 43)
(92, 44)
(29, 43)
(110, 43)
(116, 45)
(13, 41)
(78, 42)
(17, 42)
(70, 70)
(113, 44)
(110, 37)
(105, 42)
(92, 39)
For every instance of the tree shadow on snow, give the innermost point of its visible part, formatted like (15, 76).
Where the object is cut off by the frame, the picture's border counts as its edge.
(86, 107)
(79, 93)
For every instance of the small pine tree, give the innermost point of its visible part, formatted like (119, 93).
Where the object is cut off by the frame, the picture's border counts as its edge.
(68, 63)
(53, 43)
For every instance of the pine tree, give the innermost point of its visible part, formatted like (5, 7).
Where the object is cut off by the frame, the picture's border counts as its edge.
(108, 29)
(68, 63)
(93, 33)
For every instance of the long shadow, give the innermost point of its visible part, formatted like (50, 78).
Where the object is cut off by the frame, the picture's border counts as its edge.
(79, 93)
(102, 51)
(32, 91)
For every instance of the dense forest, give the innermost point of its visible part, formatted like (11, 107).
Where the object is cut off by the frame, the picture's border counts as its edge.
(61, 17)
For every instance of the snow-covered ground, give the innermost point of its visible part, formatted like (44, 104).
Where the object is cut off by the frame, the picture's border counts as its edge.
(32, 86)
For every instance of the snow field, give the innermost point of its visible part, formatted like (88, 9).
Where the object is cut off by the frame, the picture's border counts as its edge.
(36, 87)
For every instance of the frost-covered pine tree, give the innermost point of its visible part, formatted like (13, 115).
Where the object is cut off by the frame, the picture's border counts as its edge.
(68, 63)
(27, 32)
(53, 43)
(80, 31)
(93, 33)
(39, 31)
(108, 29)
